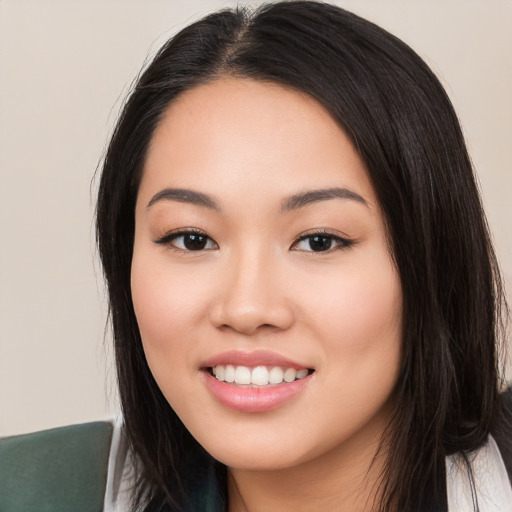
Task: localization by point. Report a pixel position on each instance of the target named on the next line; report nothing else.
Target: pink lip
(251, 359)
(246, 399)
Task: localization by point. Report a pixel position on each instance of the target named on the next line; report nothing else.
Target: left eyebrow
(314, 196)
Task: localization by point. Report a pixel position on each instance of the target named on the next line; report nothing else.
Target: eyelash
(168, 238)
(342, 242)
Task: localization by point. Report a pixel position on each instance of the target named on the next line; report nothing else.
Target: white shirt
(492, 486)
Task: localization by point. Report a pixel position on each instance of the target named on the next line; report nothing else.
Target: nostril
(250, 313)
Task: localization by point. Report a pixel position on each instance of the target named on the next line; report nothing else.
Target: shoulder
(502, 432)
(484, 474)
(57, 469)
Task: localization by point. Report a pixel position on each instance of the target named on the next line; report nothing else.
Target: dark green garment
(65, 470)
(58, 470)
(204, 494)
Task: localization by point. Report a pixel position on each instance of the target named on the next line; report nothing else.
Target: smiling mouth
(258, 376)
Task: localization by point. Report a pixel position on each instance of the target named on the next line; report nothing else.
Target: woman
(305, 300)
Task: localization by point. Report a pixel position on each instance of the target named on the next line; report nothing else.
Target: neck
(345, 478)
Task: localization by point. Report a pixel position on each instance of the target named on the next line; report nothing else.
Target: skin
(250, 145)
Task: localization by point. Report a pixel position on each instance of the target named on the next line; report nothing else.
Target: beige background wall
(64, 68)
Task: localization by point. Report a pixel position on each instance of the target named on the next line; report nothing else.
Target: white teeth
(258, 376)
(301, 373)
(242, 375)
(290, 374)
(275, 376)
(229, 376)
(219, 372)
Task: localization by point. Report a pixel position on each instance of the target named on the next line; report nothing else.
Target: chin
(265, 452)
(257, 460)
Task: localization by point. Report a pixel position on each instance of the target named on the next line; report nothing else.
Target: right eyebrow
(184, 195)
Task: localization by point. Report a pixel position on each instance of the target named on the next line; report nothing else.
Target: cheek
(359, 309)
(359, 322)
(166, 307)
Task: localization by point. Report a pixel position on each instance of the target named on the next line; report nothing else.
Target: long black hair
(404, 129)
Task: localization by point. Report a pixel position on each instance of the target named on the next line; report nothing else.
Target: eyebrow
(314, 196)
(183, 195)
(294, 202)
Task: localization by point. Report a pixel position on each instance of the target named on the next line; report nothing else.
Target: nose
(252, 296)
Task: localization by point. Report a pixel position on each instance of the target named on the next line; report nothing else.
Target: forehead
(244, 134)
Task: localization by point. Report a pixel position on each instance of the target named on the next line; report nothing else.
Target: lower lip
(246, 399)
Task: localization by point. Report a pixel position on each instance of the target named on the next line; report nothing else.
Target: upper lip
(252, 359)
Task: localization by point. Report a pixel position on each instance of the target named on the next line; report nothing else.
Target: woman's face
(261, 255)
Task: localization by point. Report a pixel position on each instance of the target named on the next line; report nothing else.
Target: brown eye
(187, 241)
(194, 242)
(321, 242)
